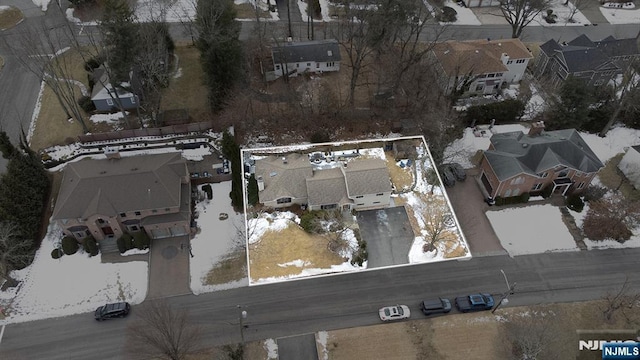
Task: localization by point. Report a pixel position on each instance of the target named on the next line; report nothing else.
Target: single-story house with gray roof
(351, 184)
(315, 56)
(630, 166)
(105, 98)
(109, 197)
(516, 163)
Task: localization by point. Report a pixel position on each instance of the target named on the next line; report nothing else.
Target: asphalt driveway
(469, 206)
(388, 235)
(301, 347)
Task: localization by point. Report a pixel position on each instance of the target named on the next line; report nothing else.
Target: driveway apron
(169, 267)
(301, 347)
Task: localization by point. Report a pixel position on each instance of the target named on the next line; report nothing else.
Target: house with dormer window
(302, 57)
(518, 163)
(479, 67)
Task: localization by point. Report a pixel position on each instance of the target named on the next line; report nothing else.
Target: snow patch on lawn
(42, 4)
(511, 225)
(72, 284)
(614, 143)
(621, 16)
(108, 118)
(464, 15)
(278, 221)
(272, 349)
(562, 12)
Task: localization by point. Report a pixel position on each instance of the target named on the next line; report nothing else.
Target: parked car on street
(474, 302)
(448, 178)
(435, 306)
(397, 312)
(457, 170)
(114, 310)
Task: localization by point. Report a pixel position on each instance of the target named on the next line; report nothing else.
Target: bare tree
(520, 13)
(436, 215)
(575, 6)
(623, 94)
(359, 42)
(531, 334)
(41, 52)
(163, 332)
(14, 252)
(611, 218)
(621, 302)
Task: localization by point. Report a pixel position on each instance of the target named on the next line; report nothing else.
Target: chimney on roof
(536, 128)
(260, 181)
(111, 152)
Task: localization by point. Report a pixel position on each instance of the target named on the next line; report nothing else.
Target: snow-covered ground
(42, 4)
(621, 16)
(324, 10)
(215, 239)
(563, 12)
(70, 285)
(520, 231)
(464, 15)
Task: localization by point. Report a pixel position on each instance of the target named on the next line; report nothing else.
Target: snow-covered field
(531, 230)
(563, 12)
(71, 285)
(464, 15)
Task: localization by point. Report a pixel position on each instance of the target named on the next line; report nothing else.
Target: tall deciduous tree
(520, 13)
(611, 218)
(220, 48)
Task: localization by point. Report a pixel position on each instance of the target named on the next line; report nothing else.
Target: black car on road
(114, 310)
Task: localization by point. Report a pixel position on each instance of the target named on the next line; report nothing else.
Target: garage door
(486, 183)
(178, 231)
(160, 233)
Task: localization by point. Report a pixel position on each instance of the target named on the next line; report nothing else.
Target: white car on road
(397, 312)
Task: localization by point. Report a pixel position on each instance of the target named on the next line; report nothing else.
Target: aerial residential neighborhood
(319, 179)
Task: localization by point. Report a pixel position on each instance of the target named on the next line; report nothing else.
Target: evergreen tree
(231, 151)
(120, 38)
(252, 190)
(6, 147)
(220, 48)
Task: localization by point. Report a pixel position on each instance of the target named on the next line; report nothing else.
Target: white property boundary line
(280, 150)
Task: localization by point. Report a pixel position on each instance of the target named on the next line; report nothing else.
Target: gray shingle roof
(327, 187)
(367, 176)
(111, 186)
(515, 153)
(618, 47)
(318, 50)
(284, 180)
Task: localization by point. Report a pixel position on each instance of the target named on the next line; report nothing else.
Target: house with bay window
(479, 67)
(518, 163)
(106, 198)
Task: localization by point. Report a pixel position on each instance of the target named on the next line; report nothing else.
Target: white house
(316, 56)
(630, 166)
(480, 66)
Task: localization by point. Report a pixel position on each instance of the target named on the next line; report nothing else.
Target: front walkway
(169, 267)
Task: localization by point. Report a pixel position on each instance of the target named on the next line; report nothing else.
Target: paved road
(340, 301)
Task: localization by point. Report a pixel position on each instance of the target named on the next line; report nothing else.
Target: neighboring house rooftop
(112, 186)
(478, 56)
(515, 153)
(317, 50)
(103, 88)
(583, 54)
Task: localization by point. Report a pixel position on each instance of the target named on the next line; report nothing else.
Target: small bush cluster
(86, 104)
(522, 198)
(550, 17)
(141, 240)
(594, 193)
(361, 254)
(252, 190)
(575, 203)
(90, 246)
(504, 112)
(448, 14)
(69, 245)
(57, 253)
(546, 192)
(207, 189)
(125, 243)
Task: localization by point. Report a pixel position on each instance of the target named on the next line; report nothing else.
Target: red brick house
(516, 163)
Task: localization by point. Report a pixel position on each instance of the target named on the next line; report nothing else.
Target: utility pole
(289, 19)
(242, 314)
(504, 298)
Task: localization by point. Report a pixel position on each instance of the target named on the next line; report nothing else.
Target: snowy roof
(515, 153)
(112, 186)
(103, 87)
(318, 50)
(478, 56)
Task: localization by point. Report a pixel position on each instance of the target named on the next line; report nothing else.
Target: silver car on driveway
(398, 312)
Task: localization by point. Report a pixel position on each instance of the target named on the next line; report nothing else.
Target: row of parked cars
(450, 173)
(468, 303)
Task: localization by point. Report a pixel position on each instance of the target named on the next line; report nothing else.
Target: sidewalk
(169, 267)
